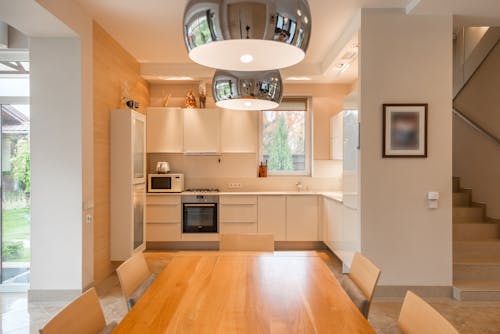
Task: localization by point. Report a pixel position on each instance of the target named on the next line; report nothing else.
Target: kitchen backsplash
(241, 168)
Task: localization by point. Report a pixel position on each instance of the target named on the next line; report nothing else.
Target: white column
(56, 164)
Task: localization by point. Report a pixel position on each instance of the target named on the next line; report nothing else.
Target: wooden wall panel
(112, 67)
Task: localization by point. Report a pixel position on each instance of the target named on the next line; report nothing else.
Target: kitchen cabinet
(239, 131)
(336, 137)
(238, 214)
(165, 130)
(127, 184)
(302, 218)
(333, 218)
(272, 216)
(163, 218)
(201, 129)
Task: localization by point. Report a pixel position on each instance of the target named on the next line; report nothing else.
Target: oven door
(199, 218)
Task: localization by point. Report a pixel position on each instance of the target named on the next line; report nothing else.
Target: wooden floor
(230, 292)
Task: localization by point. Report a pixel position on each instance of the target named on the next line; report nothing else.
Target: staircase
(476, 249)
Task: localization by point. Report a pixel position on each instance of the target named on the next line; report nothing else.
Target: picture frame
(404, 130)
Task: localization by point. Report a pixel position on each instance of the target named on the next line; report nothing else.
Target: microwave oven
(165, 183)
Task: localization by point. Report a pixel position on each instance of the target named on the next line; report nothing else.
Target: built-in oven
(200, 213)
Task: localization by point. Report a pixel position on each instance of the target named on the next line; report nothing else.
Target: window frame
(308, 140)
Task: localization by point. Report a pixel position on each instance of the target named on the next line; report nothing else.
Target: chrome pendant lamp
(247, 35)
(243, 90)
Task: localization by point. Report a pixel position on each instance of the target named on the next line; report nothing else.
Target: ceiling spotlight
(275, 33)
(244, 90)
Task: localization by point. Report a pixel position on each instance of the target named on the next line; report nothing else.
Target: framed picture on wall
(404, 131)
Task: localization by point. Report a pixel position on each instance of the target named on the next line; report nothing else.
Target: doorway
(15, 174)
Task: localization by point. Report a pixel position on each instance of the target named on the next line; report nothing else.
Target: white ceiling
(151, 30)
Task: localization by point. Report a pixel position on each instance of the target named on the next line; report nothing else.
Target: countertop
(334, 195)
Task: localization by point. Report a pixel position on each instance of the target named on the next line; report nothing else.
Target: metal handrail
(477, 127)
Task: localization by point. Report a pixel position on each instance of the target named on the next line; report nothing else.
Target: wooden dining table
(245, 292)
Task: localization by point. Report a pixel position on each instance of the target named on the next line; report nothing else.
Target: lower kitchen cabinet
(272, 216)
(163, 218)
(302, 218)
(163, 232)
(238, 214)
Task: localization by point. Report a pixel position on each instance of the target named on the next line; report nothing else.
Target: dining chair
(361, 281)
(417, 316)
(247, 242)
(135, 278)
(82, 316)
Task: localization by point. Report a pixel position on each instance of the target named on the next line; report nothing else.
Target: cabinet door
(158, 232)
(139, 215)
(201, 130)
(302, 218)
(138, 148)
(239, 131)
(165, 130)
(272, 216)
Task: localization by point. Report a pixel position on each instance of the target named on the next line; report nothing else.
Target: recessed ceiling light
(246, 58)
(243, 90)
(212, 41)
(176, 78)
(298, 78)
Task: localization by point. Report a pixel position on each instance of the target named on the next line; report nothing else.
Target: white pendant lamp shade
(247, 35)
(240, 90)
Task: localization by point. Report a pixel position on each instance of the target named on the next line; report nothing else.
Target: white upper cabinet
(165, 130)
(201, 131)
(239, 131)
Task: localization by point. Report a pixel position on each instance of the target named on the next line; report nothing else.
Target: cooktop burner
(203, 190)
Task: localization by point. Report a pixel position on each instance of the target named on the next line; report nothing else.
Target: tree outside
(283, 140)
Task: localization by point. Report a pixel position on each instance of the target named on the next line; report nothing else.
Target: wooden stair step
(476, 290)
(482, 250)
(467, 270)
(463, 214)
(475, 231)
(462, 198)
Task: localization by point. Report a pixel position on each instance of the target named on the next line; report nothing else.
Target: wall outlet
(234, 185)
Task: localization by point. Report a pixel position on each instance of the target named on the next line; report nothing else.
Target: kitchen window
(285, 138)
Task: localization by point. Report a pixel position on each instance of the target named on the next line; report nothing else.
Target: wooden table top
(245, 293)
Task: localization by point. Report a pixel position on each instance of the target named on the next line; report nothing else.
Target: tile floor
(17, 316)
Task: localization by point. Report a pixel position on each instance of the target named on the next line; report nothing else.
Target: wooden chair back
(365, 274)
(132, 273)
(82, 316)
(247, 242)
(417, 317)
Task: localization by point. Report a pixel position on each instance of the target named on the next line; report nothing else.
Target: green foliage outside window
(21, 164)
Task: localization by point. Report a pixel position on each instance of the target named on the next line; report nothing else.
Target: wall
(56, 165)
(112, 67)
(476, 160)
(327, 101)
(72, 15)
(479, 99)
(406, 59)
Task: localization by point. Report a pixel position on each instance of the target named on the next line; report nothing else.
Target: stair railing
(477, 127)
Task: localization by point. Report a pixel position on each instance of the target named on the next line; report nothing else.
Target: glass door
(15, 193)
(139, 147)
(139, 214)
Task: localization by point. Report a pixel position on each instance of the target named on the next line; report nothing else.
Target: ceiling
(151, 30)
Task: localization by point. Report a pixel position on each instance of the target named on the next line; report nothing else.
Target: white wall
(56, 164)
(73, 16)
(406, 59)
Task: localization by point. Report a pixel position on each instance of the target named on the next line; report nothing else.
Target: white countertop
(334, 195)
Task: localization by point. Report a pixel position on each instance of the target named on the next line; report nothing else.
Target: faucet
(299, 186)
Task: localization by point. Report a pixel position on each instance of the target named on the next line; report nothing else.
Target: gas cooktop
(202, 190)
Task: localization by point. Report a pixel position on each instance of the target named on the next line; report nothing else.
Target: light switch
(432, 199)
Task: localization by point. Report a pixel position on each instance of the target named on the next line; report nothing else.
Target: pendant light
(247, 35)
(243, 90)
